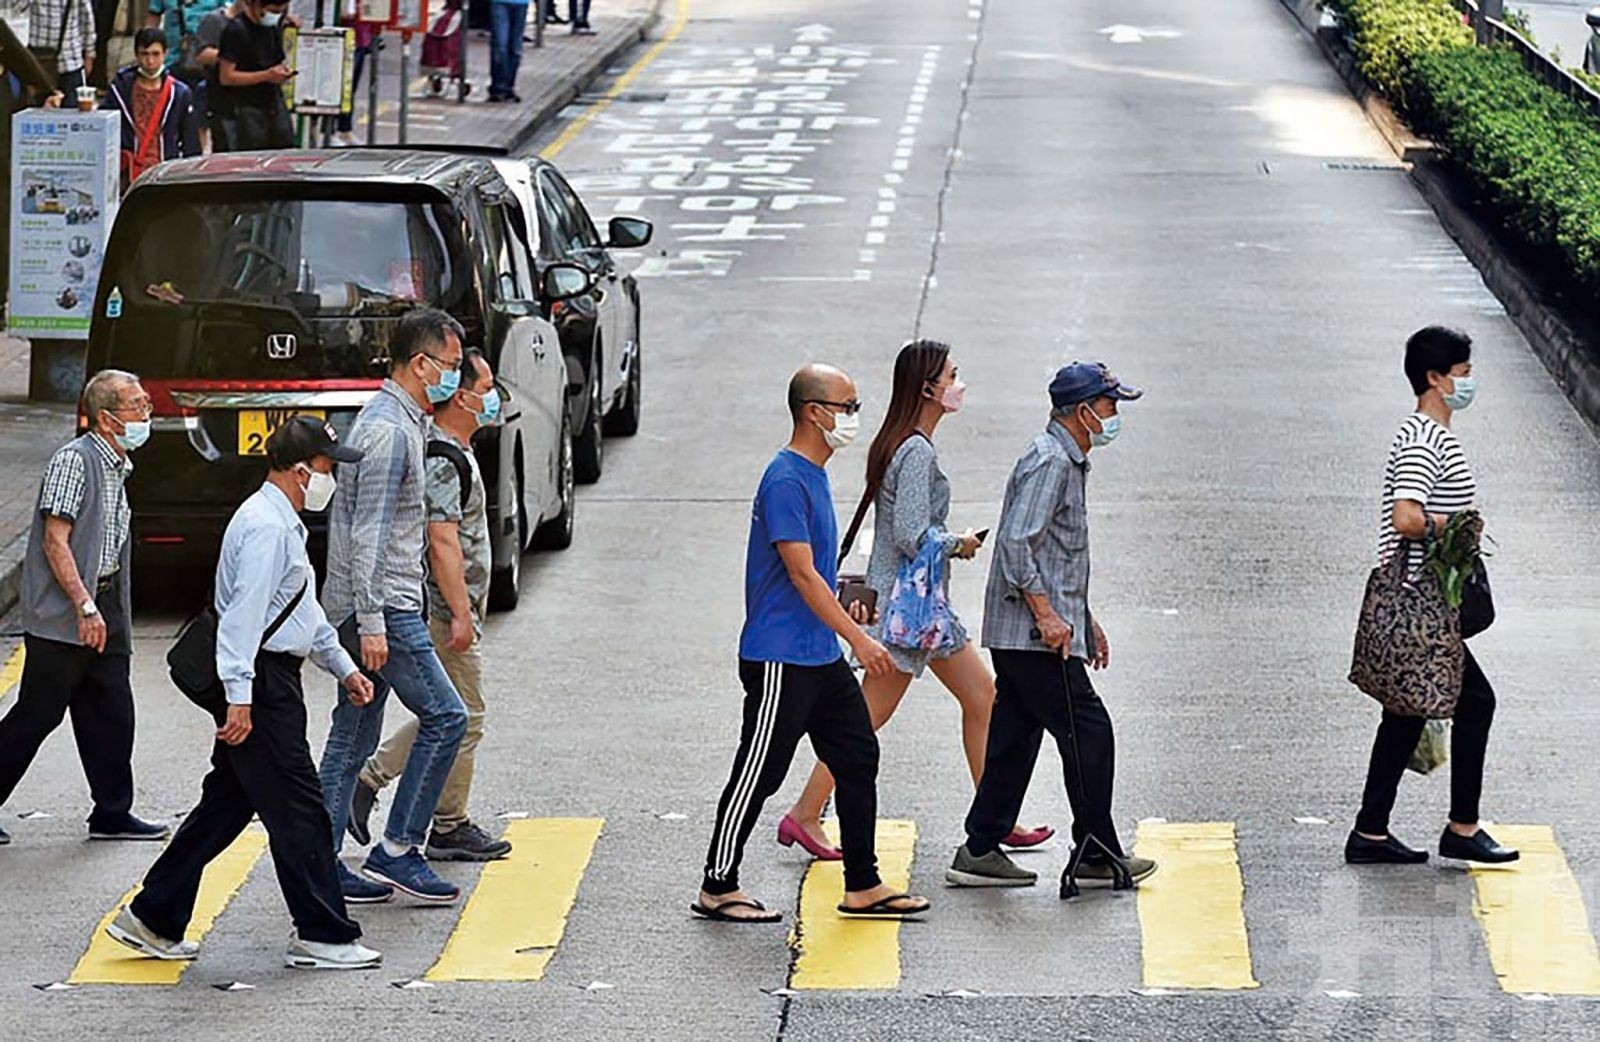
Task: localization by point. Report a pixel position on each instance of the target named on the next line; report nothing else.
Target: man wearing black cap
(1042, 637)
(269, 622)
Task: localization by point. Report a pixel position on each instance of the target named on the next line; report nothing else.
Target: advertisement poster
(64, 191)
(324, 60)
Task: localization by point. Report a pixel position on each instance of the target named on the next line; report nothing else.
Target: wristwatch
(88, 609)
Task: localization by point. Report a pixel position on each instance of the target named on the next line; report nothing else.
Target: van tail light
(162, 540)
(161, 401)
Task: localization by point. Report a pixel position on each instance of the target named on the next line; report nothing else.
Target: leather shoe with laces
(1479, 847)
(1359, 850)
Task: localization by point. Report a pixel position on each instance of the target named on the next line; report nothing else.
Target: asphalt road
(1194, 200)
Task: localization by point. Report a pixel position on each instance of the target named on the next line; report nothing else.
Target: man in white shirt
(268, 623)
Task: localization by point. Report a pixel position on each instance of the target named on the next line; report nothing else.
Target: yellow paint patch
(839, 953)
(1534, 920)
(107, 962)
(1191, 911)
(514, 920)
(566, 137)
(11, 672)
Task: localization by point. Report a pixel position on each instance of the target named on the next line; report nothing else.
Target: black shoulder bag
(192, 660)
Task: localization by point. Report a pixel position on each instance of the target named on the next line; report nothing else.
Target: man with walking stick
(1043, 638)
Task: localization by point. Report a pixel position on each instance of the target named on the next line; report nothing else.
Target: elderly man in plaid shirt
(1042, 636)
(68, 27)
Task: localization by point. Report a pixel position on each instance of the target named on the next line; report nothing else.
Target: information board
(64, 192)
(324, 60)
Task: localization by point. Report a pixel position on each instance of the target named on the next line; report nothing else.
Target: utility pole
(1489, 10)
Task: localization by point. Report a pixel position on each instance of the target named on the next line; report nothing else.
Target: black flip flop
(720, 915)
(884, 908)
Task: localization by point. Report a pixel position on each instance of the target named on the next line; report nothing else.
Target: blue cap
(1081, 381)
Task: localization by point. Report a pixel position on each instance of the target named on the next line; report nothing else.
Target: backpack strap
(438, 449)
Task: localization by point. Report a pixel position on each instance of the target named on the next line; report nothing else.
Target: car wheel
(556, 533)
(590, 450)
(625, 421)
(505, 582)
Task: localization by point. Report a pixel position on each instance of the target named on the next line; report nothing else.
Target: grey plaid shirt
(377, 526)
(61, 495)
(45, 25)
(1042, 546)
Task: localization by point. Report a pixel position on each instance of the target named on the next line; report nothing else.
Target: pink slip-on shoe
(790, 833)
(1030, 838)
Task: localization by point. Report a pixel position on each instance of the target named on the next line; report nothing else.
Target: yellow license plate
(257, 425)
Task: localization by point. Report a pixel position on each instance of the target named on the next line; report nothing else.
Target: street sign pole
(372, 91)
(405, 80)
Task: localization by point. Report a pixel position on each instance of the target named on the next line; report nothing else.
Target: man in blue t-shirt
(795, 678)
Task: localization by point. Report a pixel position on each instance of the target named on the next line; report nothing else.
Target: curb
(569, 94)
(1566, 355)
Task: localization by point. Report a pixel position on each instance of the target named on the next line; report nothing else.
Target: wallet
(854, 588)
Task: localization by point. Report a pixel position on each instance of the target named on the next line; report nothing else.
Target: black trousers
(1397, 737)
(271, 774)
(1031, 697)
(783, 702)
(58, 679)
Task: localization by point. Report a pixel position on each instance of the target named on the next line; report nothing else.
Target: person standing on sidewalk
(578, 12)
(1042, 637)
(209, 104)
(377, 535)
(66, 27)
(261, 763)
(251, 72)
(77, 611)
(458, 598)
(507, 18)
(796, 681)
(158, 117)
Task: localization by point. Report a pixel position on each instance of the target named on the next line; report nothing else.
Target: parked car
(599, 329)
(254, 287)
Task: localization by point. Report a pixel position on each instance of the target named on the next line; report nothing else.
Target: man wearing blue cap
(1042, 637)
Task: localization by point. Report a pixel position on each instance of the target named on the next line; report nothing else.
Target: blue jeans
(416, 677)
(506, 22)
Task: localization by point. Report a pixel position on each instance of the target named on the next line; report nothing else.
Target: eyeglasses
(849, 408)
(142, 408)
(439, 363)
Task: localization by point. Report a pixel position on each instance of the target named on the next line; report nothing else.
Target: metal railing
(1493, 32)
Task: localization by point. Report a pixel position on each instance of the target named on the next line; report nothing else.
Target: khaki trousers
(465, 669)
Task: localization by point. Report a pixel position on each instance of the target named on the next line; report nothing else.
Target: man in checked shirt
(1038, 628)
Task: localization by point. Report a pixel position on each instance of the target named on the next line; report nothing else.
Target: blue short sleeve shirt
(794, 504)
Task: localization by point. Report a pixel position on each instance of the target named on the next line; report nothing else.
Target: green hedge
(1387, 35)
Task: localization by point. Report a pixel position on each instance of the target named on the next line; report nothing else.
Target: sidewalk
(549, 79)
(30, 432)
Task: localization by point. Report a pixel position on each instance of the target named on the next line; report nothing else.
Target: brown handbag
(1408, 649)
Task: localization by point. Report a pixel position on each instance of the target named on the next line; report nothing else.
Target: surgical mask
(953, 396)
(845, 429)
(134, 434)
(147, 74)
(1110, 427)
(449, 383)
(271, 18)
(1466, 389)
(491, 407)
(319, 490)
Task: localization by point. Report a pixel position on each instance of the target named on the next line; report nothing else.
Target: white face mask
(845, 430)
(319, 491)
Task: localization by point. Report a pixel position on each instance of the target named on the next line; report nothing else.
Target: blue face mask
(1466, 389)
(1110, 427)
(449, 383)
(491, 407)
(134, 434)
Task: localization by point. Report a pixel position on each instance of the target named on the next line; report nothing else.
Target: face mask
(491, 407)
(133, 434)
(271, 18)
(449, 383)
(319, 490)
(845, 430)
(1466, 389)
(147, 74)
(1110, 427)
(953, 396)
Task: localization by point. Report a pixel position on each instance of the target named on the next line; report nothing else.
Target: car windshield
(320, 257)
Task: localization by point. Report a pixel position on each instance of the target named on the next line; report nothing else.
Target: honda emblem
(281, 345)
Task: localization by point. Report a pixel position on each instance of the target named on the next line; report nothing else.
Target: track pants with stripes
(783, 702)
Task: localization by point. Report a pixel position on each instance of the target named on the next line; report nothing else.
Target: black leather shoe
(130, 828)
(1480, 847)
(1359, 850)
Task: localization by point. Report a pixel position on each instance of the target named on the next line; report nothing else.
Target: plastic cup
(86, 99)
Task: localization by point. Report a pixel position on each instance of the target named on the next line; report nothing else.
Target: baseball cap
(305, 437)
(1082, 381)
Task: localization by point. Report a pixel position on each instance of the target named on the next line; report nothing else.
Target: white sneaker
(315, 955)
(343, 141)
(127, 929)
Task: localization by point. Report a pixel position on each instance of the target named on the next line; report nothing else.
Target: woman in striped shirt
(1427, 480)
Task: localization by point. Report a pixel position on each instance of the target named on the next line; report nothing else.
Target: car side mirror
(563, 281)
(628, 233)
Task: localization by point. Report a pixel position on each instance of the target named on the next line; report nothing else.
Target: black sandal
(719, 914)
(884, 908)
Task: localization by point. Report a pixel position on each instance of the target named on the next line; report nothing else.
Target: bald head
(818, 382)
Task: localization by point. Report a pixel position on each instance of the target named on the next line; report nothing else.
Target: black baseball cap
(303, 438)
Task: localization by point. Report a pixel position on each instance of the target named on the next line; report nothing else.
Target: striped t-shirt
(1426, 465)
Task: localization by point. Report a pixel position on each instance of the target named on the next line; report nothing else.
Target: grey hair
(103, 392)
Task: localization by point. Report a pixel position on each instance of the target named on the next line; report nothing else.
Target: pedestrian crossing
(1192, 922)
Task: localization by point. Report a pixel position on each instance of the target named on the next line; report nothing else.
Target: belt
(107, 583)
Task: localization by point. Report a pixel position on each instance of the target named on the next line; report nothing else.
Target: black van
(247, 288)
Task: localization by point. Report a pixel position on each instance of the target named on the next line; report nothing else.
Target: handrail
(1537, 63)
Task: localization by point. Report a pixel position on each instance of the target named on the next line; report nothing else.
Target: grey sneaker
(315, 955)
(126, 929)
(1100, 876)
(993, 869)
(466, 842)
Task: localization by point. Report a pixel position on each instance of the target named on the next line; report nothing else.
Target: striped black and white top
(1427, 466)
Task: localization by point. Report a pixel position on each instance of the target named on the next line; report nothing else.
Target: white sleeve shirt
(263, 565)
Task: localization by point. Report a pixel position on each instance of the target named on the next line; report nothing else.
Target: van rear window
(321, 257)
